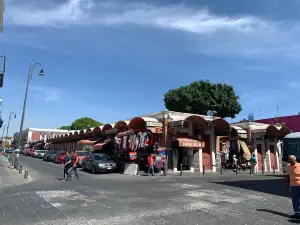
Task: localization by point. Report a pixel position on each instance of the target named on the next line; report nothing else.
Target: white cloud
(210, 33)
(46, 93)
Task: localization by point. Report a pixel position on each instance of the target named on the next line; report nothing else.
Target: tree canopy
(84, 123)
(65, 128)
(201, 96)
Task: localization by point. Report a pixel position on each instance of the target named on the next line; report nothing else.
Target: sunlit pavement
(120, 199)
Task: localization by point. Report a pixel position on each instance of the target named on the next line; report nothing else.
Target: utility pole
(278, 113)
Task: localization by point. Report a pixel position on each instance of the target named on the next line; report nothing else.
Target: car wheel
(93, 170)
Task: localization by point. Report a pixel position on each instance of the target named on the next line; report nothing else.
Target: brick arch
(97, 132)
(137, 123)
(272, 131)
(81, 132)
(221, 126)
(121, 126)
(106, 127)
(197, 122)
(284, 131)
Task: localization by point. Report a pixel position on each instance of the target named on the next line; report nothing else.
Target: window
(82, 153)
(101, 157)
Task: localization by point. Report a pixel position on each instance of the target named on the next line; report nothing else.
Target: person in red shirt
(74, 163)
(151, 164)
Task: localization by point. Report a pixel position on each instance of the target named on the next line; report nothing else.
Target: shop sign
(153, 124)
(132, 156)
(191, 144)
(176, 123)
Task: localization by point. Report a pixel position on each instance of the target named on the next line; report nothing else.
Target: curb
(15, 170)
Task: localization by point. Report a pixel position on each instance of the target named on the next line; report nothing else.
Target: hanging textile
(225, 146)
(125, 142)
(132, 142)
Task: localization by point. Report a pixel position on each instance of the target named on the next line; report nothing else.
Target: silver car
(41, 154)
(98, 162)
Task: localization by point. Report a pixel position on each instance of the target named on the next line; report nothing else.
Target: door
(206, 158)
(273, 157)
(259, 157)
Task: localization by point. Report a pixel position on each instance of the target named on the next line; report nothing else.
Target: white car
(41, 154)
(35, 154)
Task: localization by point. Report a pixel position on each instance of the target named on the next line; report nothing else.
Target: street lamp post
(32, 66)
(10, 115)
(3, 135)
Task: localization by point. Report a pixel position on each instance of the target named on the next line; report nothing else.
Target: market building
(193, 142)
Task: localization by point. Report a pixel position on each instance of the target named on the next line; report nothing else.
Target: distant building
(292, 122)
(35, 134)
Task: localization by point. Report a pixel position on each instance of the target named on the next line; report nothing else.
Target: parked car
(31, 152)
(60, 157)
(97, 162)
(8, 150)
(50, 155)
(22, 151)
(81, 155)
(41, 154)
(35, 153)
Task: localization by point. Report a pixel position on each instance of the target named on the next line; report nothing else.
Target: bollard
(20, 168)
(263, 169)
(274, 170)
(236, 170)
(221, 170)
(12, 162)
(165, 169)
(251, 172)
(180, 169)
(203, 170)
(26, 175)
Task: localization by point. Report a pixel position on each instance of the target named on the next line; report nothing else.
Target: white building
(35, 134)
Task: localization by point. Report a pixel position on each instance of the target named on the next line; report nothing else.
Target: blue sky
(112, 60)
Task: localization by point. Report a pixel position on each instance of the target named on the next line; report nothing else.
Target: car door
(89, 162)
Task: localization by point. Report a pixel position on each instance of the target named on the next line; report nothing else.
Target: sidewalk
(9, 175)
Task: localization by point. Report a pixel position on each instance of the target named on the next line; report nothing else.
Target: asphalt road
(120, 199)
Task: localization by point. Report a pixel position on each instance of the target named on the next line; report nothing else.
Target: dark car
(8, 150)
(97, 162)
(50, 155)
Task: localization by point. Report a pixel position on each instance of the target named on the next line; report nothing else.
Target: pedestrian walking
(74, 163)
(253, 162)
(67, 165)
(293, 184)
(151, 164)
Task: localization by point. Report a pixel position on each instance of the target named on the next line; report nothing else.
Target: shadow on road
(269, 186)
(275, 212)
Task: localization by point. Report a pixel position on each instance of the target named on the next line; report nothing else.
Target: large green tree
(84, 123)
(201, 96)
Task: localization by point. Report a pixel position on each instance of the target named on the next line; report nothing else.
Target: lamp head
(1, 122)
(42, 73)
(15, 116)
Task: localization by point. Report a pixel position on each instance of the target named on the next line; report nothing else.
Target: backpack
(253, 160)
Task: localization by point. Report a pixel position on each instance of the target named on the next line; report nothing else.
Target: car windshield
(101, 157)
(82, 153)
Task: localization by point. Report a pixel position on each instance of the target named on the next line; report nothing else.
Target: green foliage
(87, 148)
(84, 123)
(202, 96)
(65, 128)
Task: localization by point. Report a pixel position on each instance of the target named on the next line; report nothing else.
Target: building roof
(292, 122)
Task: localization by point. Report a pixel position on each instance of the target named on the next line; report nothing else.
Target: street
(120, 199)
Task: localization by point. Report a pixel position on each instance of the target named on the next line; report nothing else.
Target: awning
(247, 154)
(126, 133)
(98, 146)
(190, 143)
(111, 131)
(86, 142)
